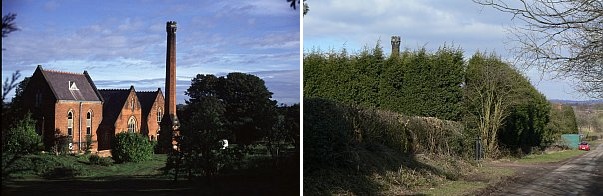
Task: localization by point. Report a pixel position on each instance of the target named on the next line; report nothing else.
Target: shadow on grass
(73, 180)
(249, 184)
(336, 163)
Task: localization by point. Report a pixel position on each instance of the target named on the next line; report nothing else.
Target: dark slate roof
(114, 102)
(59, 84)
(147, 99)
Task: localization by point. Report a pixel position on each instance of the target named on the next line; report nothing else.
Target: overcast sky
(353, 24)
(123, 43)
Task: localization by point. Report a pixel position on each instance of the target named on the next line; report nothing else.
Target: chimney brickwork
(395, 45)
(170, 82)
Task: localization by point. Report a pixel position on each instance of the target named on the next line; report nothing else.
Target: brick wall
(152, 123)
(79, 111)
(127, 111)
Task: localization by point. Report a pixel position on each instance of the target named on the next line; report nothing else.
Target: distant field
(590, 119)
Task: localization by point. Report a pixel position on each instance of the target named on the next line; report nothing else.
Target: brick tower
(170, 119)
(395, 45)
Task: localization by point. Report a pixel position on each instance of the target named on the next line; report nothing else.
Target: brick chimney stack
(395, 45)
(170, 81)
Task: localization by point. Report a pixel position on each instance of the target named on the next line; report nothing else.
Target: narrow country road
(581, 176)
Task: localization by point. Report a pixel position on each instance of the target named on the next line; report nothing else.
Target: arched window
(89, 123)
(159, 115)
(132, 125)
(69, 123)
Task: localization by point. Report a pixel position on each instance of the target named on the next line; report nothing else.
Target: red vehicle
(584, 146)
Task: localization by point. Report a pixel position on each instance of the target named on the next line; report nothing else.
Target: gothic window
(89, 123)
(159, 115)
(69, 123)
(132, 125)
(38, 98)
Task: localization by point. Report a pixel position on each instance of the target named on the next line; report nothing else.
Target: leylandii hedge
(131, 147)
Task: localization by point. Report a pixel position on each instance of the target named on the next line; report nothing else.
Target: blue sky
(354, 24)
(123, 43)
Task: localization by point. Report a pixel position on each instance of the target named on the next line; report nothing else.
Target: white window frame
(89, 122)
(70, 123)
(132, 124)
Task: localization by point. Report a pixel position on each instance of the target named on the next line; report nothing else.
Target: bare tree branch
(564, 37)
(8, 24)
(11, 84)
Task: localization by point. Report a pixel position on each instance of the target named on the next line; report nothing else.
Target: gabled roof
(147, 99)
(115, 99)
(70, 86)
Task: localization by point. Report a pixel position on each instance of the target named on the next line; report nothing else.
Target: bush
(43, 165)
(131, 147)
(96, 160)
(22, 137)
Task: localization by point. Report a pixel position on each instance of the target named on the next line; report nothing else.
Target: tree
(525, 128)
(22, 137)
(13, 111)
(488, 97)
(8, 24)
(202, 130)
(565, 37)
(292, 121)
(562, 120)
(249, 110)
(294, 3)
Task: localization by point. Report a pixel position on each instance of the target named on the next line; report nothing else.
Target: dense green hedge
(440, 85)
(416, 83)
(334, 132)
(131, 147)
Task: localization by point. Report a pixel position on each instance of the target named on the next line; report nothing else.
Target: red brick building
(69, 104)
(66, 104)
(152, 103)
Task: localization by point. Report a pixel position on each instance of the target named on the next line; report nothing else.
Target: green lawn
(57, 175)
(550, 157)
(72, 166)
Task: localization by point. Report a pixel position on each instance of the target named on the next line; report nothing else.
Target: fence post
(478, 149)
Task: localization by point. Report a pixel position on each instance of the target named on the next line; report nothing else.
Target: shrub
(97, 160)
(131, 147)
(89, 143)
(22, 137)
(43, 165)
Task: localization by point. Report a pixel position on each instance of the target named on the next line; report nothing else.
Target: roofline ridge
(63, 72)
(146, 91)
(113, 89)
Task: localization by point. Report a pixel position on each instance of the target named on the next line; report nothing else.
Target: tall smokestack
(170, 81)
(395, 45)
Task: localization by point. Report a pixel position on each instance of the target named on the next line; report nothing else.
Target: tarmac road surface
(581, 176)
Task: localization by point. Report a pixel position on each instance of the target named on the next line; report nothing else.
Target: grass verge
(551, 157)
(470, 182)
